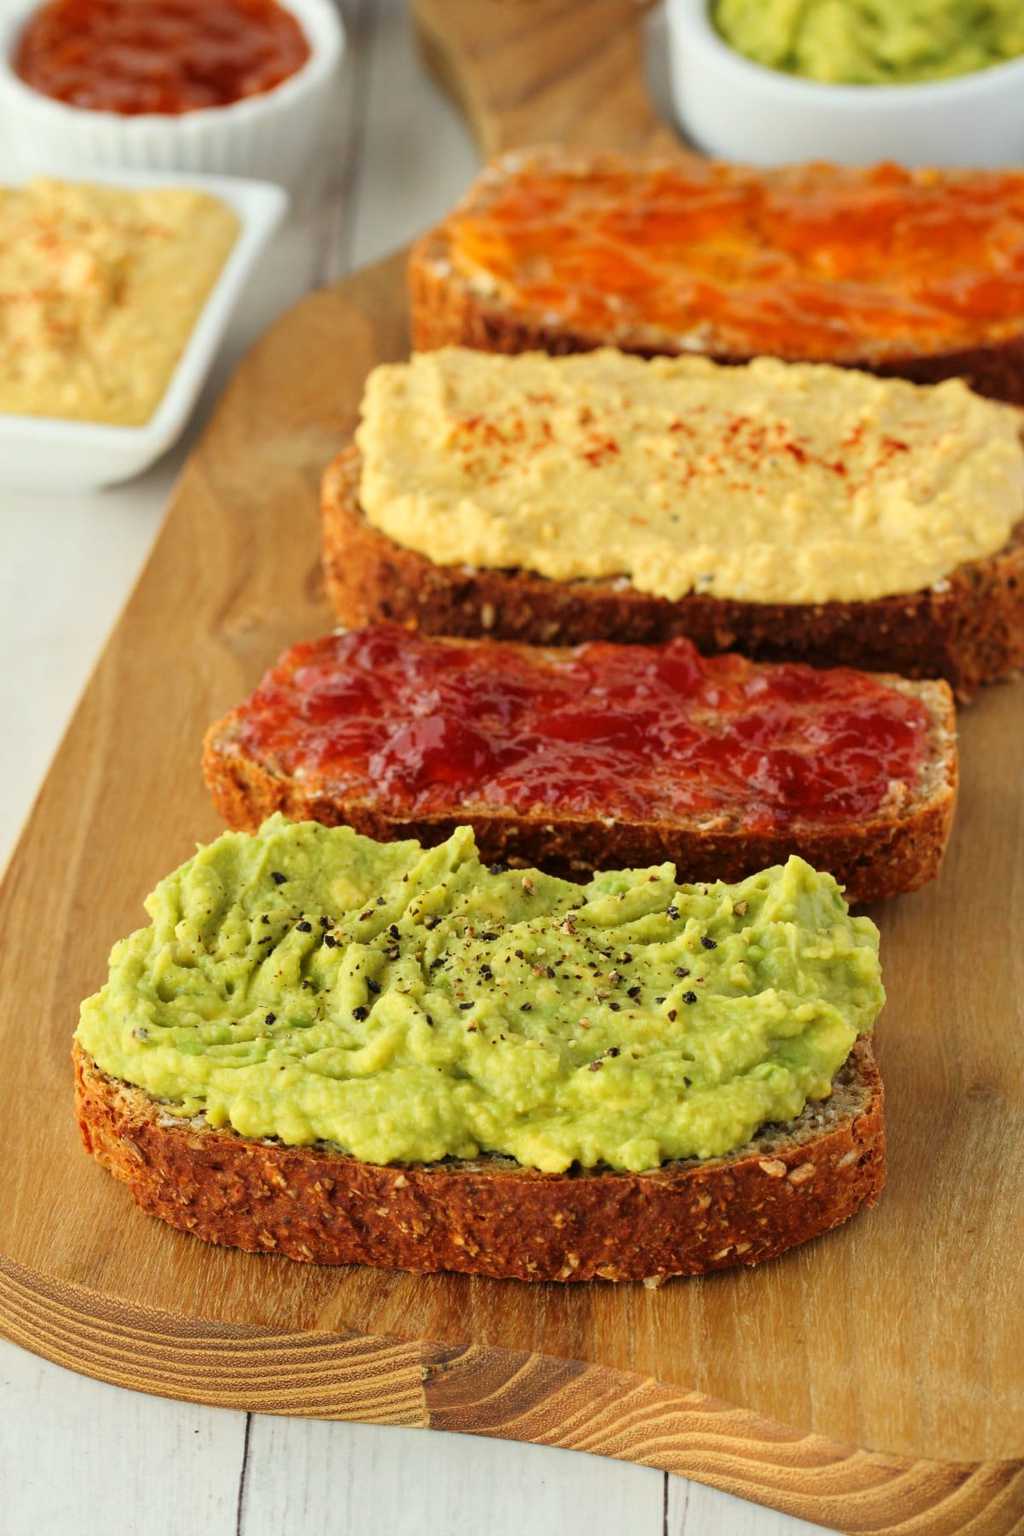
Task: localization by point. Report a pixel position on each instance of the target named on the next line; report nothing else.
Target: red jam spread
(811, 262)
(167, 56)
(636, 732)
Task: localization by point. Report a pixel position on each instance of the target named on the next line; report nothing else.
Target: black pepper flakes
(615, 1007)
(486, 973)
(325, 922)
(465, 1006)
(672, 911)
(304, 927)
(360, 1012)
(632, 991)
(682, 970)
(380, 901)
(372, 986)
(393, 931)
(330, 940)
(431, 922)
(270, 1018)
(526, 1008)
(277, 877)
(708, 943)
(672, 1015)
(689, 997)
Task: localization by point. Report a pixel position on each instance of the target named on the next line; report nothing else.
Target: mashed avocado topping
(873, 42)
(771, 482)
(407, 1004)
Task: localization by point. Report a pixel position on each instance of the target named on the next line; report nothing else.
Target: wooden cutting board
(873, 1380)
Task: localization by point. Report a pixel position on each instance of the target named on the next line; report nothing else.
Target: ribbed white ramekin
(270, 136)
(738, 110)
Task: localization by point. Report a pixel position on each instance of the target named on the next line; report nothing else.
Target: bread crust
(968, 629)
(883, 856)
(491, 1216)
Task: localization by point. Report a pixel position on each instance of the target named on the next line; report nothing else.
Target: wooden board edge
(505, 1395)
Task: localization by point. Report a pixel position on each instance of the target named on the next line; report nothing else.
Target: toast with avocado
(792, 513)
(597, 756)
(350, 1052)
(914, 273)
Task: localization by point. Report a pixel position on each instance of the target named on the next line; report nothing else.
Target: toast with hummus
(791, 512)
(350, 1052)
(599, 756)
(917, 273)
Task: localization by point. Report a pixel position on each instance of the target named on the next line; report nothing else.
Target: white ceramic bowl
(270, 136)
(738, 110)
(45, 453)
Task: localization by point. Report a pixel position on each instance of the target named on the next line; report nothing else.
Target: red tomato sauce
(163, 56)
(415, 724)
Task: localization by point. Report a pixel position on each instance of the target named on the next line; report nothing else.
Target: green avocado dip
(408, 1004)
(873, 42)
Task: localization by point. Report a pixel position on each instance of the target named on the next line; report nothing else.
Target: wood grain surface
(892, 1350)
(534, 71)
(873, 1380)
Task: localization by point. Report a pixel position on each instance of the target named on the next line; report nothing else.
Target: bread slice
(491, 1216)
(896, 850)
(968, 629)
(449, 310)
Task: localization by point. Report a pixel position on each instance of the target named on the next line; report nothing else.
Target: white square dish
(46, 453)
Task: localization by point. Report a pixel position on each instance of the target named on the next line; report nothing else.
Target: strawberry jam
(416, 725)
(811, 262)
(164, 56)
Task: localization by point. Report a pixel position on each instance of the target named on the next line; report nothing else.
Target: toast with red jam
(599, 755)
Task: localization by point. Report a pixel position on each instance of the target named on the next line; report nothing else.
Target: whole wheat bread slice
(968, 629)
(894, 851)
(491, 1216)
(448, 310)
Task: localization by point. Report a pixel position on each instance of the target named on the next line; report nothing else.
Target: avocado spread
(408, 1004)
(873, 42)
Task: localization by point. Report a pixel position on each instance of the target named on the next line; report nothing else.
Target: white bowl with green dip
(924, 82)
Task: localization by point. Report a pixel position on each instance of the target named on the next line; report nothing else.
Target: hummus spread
(772, 482)
(99, 290)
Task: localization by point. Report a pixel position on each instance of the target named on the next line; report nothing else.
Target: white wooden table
(79, 1456)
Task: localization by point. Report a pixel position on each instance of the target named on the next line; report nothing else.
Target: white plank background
(79, 1456)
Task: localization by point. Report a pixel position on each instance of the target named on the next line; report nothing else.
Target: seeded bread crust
(446, 310)
(893, 852)
(491, 1216)
(968, 629)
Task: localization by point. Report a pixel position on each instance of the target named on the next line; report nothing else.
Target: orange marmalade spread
(418, 725)
(811, 262)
